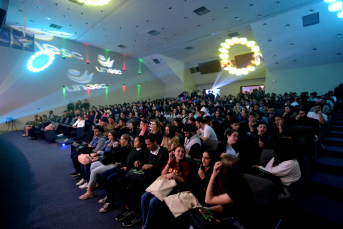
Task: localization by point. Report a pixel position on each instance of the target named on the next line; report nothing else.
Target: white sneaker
(60, 135)
(84, 186)
(82, 181)
(66, 140)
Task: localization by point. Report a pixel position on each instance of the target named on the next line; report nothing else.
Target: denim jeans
(150, 210)
(76, 163)
(85, 169)
(111, 185)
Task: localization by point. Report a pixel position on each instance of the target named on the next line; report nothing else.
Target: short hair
(192, 119)
(199, 120)
(262, 123)
(318, 104)
(44, 116)
(151, 137)
(252, 114)
(112, 117)
(123, 120)
(104, 119)
(162, 119)
(302, 109)
(133, 113)
(188, 128)
(278, 115)
(207, 119)
(234, 120)
(99, 128)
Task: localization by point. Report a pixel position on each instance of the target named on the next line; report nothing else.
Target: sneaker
(60, 135)
(124, 213)
(75, 174)
(66, 140)
(82, 181)
(132, 220)
(105, 208)
(103, 200)
(84, 186)
(79, 178)
(87, 195)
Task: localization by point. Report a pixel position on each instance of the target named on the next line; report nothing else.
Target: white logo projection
(75, 76)
(107, 63)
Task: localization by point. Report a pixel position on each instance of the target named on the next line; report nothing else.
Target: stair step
(335, 141)
(330, 165)
(338, 123)
(333, 151)
(324, 207)
(336, 127)
(327, 184)
(336, 133)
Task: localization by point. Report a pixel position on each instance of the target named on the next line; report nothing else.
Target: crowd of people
(133, 144)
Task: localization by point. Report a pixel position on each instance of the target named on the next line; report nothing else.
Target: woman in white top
(80, 123)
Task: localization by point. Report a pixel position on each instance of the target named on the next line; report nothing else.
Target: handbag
(181, 202)
(84, 159)
(135, 174)
(161, 187)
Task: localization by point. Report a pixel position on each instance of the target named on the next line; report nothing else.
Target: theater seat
(211, 144)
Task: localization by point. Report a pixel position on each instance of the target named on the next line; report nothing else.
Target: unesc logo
(75, 76)
(107, 65)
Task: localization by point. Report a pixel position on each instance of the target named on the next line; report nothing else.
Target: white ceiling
(126, 22)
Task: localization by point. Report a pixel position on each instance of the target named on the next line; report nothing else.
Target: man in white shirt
(318, 114)
(204, 130)
(80, 123)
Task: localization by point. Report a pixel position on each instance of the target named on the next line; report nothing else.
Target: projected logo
(107, 65)
(76, 76)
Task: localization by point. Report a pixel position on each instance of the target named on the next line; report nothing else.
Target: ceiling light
(20, 10)
(287, 26)
(237, 18)
(264, 24)
(56, 4)
(235, 40)
(185, 17)
(75, 32)
(47, 18)
(277, 63)
(251, 68)
(198, 25)
(224, 56)
(277, 2)
(38, 7)
(121, 28)
(83, 13)
(225, 8)
(222, 50)
(225, 45)
(329, 0)
(245, 71)
(251, 43)
(260, 15)
(238, 72)
(170, 8)
(32, 21)
(310, 11)
(295, 60)
(314, 49)
(213, 19)
(243, 40)
(148, 21)
(338, 54)
(251, 5)
(255, 49)
(274, 56)
(229, 41)
(70, 25)
(65, 16)
(339, 35)
(95, 2)
(340, 14)
(335, 6)
(270, 40)
(291, 45)
(162, 28)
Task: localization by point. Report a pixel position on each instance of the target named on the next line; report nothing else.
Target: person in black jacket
(121, 127)
(131, 190)
(111, 177)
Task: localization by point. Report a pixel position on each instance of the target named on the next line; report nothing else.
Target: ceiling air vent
(153, 32)
(189, 48)
(235, 34)
(77, 2)
(311, 19)
(201, 11)
(156, 61)
(55, 26)
(121, 46)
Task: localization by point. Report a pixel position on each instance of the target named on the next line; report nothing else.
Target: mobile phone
(205, 210)
(202, 168)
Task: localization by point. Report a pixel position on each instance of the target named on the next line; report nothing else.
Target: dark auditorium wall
(24, 93)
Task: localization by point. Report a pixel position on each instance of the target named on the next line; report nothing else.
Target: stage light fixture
(48, 53)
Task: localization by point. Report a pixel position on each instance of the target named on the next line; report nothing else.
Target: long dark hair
(171, 131)
(180, 163)
(284, 151)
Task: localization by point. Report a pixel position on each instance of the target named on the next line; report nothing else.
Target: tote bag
(161, 187)
(181, 202)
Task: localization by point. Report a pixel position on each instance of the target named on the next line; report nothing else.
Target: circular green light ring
(51, 56)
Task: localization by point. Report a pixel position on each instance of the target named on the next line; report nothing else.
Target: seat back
(80, 131)
(116, 117)
(211, 144)
(66, 121)
(266, 156)
(170, 120)
(72, 121)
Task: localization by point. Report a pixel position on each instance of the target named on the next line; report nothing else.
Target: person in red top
(177, 168)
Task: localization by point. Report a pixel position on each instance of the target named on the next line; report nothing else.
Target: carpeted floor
(37, 191)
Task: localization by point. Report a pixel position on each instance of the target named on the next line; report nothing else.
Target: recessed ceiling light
(20, 10)
(87, 23)
(162, 28)
(148, 45)
(225, 8)
(83, 13)
(17, 23)
(104, 29)
(287, 26)
(121, 28)
(65, 16)
(310, 11)
(68, 8)
(75, 32)
(260, 15)
(137, 26)
(175, 34)
(106, 36)
(264, 24)
(165, 38)
(270, 40)
(56, 4)
(170, 8)
(150, 39)
(213, 19)
(295, 60)
(185, 17)
(274, 56)
(47, 18)
(277, 2)
(135, 40)
(198, 25)
(101, 11)
(338, 54)
(251, 5)
(291, 45)
(32, 21)
(237, 18)
(38, 7)
(339, 35)
(314, 49)
(136, 34)
(277, 63)
(148, 21)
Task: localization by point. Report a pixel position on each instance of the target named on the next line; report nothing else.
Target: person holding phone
(234, 203)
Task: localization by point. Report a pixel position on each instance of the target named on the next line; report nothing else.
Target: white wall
(24, 93)
(322, 78)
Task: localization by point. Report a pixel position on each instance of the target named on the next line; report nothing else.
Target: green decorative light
(95, 2)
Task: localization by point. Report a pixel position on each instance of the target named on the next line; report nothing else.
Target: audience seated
(205, 131)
